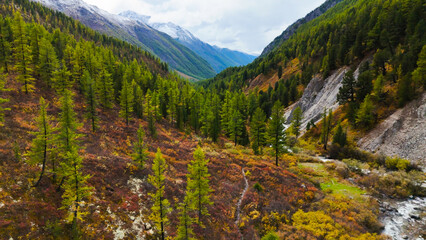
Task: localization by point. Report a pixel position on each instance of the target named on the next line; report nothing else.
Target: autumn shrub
(396, 163)
(396, 184)
(271, 236)
(355, 165)
(258, 187)
(272, 222)
(353, 215)
(342, 169)
(318, 223)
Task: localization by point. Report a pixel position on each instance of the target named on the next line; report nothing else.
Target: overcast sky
(244, 25)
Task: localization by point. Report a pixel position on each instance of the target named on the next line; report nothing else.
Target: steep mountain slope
(402, 134)
(218, 58)
(166, 48)
(293, 27)
(331, 44)
(320, 94)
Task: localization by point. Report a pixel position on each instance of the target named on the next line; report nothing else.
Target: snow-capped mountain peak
(171, 29)
(135, 16)
(175, 31)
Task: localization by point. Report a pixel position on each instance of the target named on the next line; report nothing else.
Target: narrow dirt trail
(238, 210)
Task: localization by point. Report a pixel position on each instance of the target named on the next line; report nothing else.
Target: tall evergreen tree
(48, 61)
(161, 206)
(225, 113)
(326, 127)
(198, 188)
(365, 115)
(276, 131)
(22, 53)
(184, 231)
(296, 121)
(140, 154)
(5, 44)
(91, 100)
(35, 36)
(2, 100)
(74, 181)
(138, 101)
(126, 101)
(149, 112)
(105, 88)
(419, 75)
(215, 118)
(347, 90)
(340, 136)
(62, 78)
(235, 125)
(257, 130)
(41, 145)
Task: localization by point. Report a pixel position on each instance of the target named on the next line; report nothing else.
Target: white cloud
(245, 25)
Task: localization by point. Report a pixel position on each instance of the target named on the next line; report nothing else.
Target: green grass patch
(336, 187)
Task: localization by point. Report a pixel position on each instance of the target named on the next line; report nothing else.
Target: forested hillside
(389, 33)
(99, 141)
(179, 57)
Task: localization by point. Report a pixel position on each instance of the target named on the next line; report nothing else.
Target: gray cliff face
(318, 95)
(402, 134)
(293, 28)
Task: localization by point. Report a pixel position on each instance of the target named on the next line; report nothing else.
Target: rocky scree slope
(318, 95)
(402, 134)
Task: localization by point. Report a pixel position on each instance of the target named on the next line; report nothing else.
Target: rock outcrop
(320, 94)
(402, 134)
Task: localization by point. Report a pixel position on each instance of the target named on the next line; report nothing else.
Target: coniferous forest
(101, 140)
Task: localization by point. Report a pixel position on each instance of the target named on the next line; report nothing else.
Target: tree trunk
(44, 158)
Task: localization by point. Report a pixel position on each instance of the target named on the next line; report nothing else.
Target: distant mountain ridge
(136, 32)
(218, 58)
(292, 28)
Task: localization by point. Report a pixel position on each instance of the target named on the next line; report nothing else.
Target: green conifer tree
(48, 62)
(4, 44)
(161, 206)
(340, 136)
(235, 126)
(62, 78)
(22, 54)
(35, 36)
(365, 115)
(184, 231)
(126, 101)
(91, 100)
(276, 131)
(139, 101)
(41, 145)
(347, 90)
(198, 188)
(215, 118)
(257, 130)
(74, 181)
(296, 122)
(326, 127)
(105, 88)
(149, 112)
(3, 77)
(140, 154)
